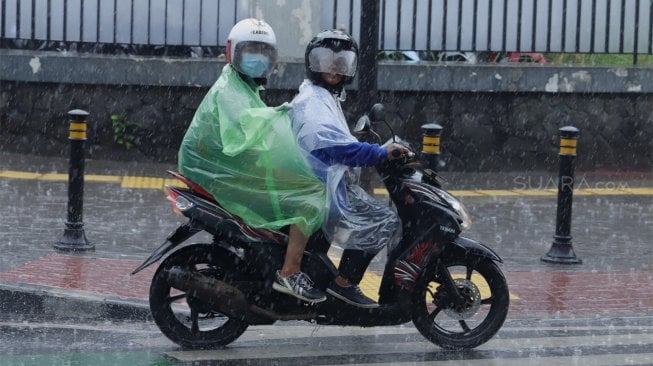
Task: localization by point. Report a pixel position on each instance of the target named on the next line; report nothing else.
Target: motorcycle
(451, 287)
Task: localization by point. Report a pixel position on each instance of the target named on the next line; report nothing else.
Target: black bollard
(430, 156)
(74, 238)
(562, 251)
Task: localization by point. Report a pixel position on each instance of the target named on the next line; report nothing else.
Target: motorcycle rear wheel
(186, 320)
(484, 286)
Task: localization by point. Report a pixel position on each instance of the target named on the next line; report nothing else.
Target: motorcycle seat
(194, 187)
(279, 236)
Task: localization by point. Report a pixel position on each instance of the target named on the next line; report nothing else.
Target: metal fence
(571, 26)
(140, 22)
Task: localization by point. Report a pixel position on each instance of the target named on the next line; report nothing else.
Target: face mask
(254, 65)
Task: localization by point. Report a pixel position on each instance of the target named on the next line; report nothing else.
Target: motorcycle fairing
(408, 268)
(218, 222)
(427, 195)
(471, 249)
(177, 237)
(206, 214)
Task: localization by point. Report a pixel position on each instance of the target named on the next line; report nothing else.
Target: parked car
(407, 56)
(457, 57)
(505, 57)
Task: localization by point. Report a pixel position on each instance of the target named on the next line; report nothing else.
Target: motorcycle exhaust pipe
(219, 295)
(223, 297)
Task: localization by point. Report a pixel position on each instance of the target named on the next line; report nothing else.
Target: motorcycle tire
(181, 322)
(484, 286)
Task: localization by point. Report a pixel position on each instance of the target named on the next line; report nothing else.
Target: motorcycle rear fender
(180, 235)
(466, 248)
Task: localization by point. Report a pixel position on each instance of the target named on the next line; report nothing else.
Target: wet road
(563, 315)
(609, 232)
(609, 341)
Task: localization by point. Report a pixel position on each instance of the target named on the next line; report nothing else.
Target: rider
(244, 154)
(364, 224)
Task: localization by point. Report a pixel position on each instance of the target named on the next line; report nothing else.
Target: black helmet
(331, 51)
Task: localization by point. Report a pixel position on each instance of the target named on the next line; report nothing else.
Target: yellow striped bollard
(430, 155)
(562, 251)
(74, 238)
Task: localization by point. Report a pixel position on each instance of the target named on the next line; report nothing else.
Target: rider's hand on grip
(396, 151)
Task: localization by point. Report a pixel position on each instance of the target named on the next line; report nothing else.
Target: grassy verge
(625, 60)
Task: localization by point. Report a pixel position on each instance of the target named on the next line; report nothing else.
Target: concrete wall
(494, 117)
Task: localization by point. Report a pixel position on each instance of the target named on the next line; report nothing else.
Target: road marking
(140, 182)
(102, 178)
(124, 181)
(19, 175)
(642, 191)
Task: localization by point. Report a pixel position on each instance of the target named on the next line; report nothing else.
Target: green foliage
(124, 131)
(599, 59)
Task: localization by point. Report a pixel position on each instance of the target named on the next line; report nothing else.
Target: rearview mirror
(377, 113)
(362, 125)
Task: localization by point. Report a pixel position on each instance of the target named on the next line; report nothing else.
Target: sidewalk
(612, 231)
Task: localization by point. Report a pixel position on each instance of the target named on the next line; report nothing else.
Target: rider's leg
(352, 267)
(294, 252)
(290, 279)
(351, 270)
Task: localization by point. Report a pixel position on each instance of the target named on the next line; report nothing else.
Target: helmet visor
(255, 59)
(322, 59)
(256, 47)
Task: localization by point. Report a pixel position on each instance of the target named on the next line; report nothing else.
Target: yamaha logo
(447, 229)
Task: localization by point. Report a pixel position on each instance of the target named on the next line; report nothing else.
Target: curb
(54, 303)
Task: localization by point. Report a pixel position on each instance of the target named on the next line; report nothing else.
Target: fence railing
(145, 22)
(567, 26)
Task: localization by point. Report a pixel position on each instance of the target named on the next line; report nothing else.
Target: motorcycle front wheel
(184, 319)
(467, 325)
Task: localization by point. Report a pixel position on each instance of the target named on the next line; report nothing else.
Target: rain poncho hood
(355, 219)
(244, 154)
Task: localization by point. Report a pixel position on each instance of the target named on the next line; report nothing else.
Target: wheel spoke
(468, 275)
(464, 325)
(435, 313)
(194, 327)
(170, 299)
(487, 301)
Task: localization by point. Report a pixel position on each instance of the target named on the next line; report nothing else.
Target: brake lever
(409, 159)
(412, 161)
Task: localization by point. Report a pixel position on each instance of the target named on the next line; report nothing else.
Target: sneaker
(351, 295)
(298, 285)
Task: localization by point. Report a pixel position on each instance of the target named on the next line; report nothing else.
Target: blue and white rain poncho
(355, 219)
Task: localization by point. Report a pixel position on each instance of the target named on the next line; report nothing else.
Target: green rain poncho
(244, 153)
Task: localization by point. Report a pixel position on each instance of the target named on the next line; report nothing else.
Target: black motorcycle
(449, 286)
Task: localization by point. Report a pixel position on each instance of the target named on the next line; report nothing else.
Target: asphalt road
(598, 341)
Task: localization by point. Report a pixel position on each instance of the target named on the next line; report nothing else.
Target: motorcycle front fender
(180, 235)
(462, 247)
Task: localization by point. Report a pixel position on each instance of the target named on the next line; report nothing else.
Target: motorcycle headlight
(461, 210)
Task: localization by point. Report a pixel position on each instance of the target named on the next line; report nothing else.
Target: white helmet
(252, 48)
